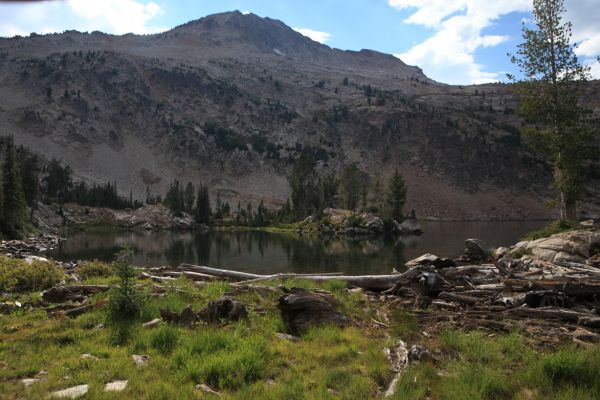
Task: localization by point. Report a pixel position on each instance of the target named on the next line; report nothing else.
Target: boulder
(116, 386)
(373, 223)
(301, 309)
(71, 393)
(476, 250)
(430, 259)
(410, 226)
(140, 360)
(337, 216)
(571, 246)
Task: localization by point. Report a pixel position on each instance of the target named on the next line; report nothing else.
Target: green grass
(245, 360)
(554, 227)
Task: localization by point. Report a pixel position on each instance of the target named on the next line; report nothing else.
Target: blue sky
(454, 41)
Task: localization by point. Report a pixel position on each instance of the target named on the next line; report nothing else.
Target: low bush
(552, 228)
(21, 276)
(92, 269)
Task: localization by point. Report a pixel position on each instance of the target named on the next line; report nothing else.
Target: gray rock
(72, 392)
(418, 353)
(287, 336)
(476, 250)
(88, 357)
(29, 381)
(409, 226)
(116, 386)
(430, 259)
(140, 360)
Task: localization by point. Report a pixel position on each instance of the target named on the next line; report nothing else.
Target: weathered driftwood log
(545, 313)
(460, 298)
(570, 288)
(301, 309)
(589, 321)
(368, 282)
(59, 294)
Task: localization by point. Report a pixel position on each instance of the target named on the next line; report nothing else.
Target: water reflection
(264, 252)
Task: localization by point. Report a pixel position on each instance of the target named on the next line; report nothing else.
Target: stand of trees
(352, 190)
(59, 187)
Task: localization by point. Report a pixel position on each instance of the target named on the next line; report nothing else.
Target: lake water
(264, 252)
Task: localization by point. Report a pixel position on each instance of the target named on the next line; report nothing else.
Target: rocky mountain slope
(232, 100)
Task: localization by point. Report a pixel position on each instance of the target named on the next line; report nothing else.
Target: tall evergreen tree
(14, 207)
(189, 198)
(350, 187)
(202, 212)
(396, 197)
(304, 184)
(174, 199)
(550, 93)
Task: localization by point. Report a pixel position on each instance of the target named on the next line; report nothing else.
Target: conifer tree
(560, 129)
(14, 208)
(189, 198)
(202, 211)
(396, 196)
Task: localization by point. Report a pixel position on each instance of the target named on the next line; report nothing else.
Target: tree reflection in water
(264, 252)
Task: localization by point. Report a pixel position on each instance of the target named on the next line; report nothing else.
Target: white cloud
(111, 16)
(584, 16)
(448, 55)
(317, 36)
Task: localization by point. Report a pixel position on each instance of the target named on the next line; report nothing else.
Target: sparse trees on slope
(559, 128)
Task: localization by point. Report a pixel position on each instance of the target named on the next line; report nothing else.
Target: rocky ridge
(233, 99)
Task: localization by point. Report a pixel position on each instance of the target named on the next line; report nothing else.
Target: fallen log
(413, 276)
(59, 294)
(460, 298)
(590, 322)
(545, 313)
(570, 288)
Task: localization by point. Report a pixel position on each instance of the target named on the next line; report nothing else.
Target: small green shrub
(92, 269)
(125, 301)
(552, 228)
(20, 276)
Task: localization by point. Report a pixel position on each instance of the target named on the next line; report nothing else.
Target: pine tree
(30, 178)
(350, 187)
(189, 198)
(377, 200)
(396, 197)
(550, 93)
(202, 212)
(14, 208)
